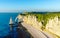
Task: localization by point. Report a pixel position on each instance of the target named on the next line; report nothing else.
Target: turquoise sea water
(4, 22)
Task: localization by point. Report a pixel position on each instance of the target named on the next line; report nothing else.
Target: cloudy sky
(30, 5)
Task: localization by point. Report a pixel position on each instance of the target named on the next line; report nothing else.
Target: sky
(29, 5)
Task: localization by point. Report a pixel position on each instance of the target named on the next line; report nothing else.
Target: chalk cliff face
(19, 18)
(32, 21)
(53, 25)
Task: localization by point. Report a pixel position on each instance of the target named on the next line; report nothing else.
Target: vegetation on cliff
(43, 16)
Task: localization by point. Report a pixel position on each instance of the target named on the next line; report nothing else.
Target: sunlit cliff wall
(32, 21)
(53, 25)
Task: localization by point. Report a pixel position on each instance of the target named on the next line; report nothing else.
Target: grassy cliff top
(43, 15)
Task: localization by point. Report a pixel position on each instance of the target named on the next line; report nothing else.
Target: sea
(4, 22)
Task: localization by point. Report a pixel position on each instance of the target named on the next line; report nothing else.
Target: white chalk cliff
(53, 25)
